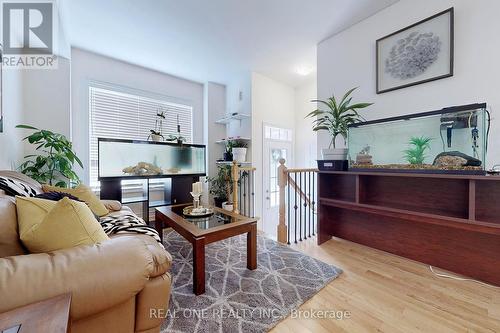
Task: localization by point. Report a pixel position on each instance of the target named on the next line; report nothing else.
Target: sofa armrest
(112, 205)
(98, 276)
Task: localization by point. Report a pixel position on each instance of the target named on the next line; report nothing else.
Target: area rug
(237, 299)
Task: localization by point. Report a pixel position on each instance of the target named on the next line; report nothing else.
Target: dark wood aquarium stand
(176, 190)
(448, 221)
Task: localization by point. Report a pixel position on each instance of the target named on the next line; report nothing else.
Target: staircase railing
(243, 179)
(297, 205)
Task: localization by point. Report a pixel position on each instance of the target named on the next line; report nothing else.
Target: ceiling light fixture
(304, 70)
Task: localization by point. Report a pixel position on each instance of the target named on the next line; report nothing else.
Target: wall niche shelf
(448, 221)
(232, 117)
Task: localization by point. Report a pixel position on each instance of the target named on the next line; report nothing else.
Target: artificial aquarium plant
(335, 116)
(416, 154)
(53, 160)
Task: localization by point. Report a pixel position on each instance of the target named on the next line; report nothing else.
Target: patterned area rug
(237, 299)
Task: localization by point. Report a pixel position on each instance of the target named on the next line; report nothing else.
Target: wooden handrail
(247, 169)
(302, 170)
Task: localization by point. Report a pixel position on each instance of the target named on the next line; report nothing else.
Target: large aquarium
(451, 140)
(129, 158)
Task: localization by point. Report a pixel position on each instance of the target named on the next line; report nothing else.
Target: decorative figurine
(364, 157)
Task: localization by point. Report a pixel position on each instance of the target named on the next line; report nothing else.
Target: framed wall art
(419, 53)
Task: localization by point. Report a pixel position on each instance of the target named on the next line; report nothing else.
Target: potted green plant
(239, 150)
(228, 151)
(53, 160)
(335, 117)
(220, 186)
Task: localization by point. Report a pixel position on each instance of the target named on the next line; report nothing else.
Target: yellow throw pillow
(83, 193)
(31, 211)
(68, 224)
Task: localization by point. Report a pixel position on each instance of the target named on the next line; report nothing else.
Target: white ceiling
(213, 40)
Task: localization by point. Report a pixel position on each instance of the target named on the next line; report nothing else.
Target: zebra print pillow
(16, 187)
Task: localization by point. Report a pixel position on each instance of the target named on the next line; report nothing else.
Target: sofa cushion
(10, 245)
(68, 224)
(83, 193)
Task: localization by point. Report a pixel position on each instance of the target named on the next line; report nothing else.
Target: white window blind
(122, 115)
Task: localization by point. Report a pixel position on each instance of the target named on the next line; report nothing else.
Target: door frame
(265, 171)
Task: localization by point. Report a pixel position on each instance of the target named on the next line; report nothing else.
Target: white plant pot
(156, 138)
(227, 206)
(337, 154)
(239, 154)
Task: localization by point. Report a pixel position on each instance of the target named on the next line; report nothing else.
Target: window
(123, 115)
(276, 133)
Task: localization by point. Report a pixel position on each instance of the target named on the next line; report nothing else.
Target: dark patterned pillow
(16, 187)
(56, 196)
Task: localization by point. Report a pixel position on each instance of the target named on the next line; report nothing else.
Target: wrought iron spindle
(315, 215)
(244, 202)
(304, 198)
(295, 207)
(240, 192)
(288, 206)
(309, 196)
(300, 206)
(253, 194)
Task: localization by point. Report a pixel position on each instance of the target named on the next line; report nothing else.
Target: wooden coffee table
(202, 231)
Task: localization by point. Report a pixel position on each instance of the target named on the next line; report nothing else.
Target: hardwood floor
(387, 293)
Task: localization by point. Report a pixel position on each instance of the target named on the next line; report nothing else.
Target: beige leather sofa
(114, 285)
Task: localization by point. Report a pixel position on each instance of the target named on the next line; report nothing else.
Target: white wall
(47, 98)
(272, 103)
(215, 108)
(11, 147)
(348, 59)
(305, 139)
(242, 82)
(37, 97)
(87, 66)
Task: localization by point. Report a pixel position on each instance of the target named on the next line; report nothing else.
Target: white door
(273, 152)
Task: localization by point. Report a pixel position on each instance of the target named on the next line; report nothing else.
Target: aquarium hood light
(467, 107)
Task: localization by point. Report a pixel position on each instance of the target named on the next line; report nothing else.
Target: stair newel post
(235, 175)
(282, 183)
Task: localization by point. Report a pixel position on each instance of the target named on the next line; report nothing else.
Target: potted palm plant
(335, 117)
